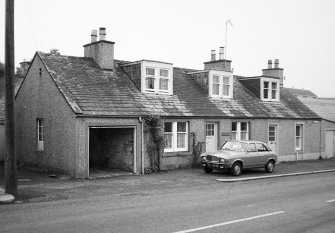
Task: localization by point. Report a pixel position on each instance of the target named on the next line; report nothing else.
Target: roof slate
(325, 107)
(95, 92)
(302, 92)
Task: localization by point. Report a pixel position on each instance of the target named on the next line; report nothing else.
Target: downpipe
(142, 145)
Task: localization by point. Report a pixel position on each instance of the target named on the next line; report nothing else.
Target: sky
(300, 33)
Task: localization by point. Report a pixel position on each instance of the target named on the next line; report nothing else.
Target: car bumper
(215, 166)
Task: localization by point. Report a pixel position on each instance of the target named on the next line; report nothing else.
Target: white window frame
(149, 76)
(269, 89)
(157, 66)
(220, 74)
(300, 138)
(239, 131)
(175, 138)
(40, 134)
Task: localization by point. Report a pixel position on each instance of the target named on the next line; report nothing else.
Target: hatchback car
(238, 155)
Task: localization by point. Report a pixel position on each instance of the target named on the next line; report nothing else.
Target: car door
(262, 154)
(251, 159)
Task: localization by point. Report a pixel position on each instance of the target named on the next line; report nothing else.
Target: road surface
(290, 204)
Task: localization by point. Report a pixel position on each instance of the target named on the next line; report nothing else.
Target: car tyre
(270, 166)
(236, 169)
(208, 170)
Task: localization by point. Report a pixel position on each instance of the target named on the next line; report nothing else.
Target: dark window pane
(168, 127)
(164, 73)
(234, 126)
(150, 71)
(181, 126)
(244, 126)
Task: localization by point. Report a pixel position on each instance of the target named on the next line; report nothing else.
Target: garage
(112, 149)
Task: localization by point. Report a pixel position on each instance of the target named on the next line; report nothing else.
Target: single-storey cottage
(76, 114)
(325, 108)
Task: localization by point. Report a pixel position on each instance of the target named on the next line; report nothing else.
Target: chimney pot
(221, 53)
(94, 36)
(269, 64)
(276, 63)
(102, 33)
(213, 55)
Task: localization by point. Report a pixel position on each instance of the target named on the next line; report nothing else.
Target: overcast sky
(300, 33)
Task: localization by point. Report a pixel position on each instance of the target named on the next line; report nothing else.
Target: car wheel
(270, 166)
(236, 169)
(208, 170)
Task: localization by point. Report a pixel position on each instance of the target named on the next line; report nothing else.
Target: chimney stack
(94, 36)
(275, 71)
(221, 53)
(101, 51)
(102, 33)
(213, 55)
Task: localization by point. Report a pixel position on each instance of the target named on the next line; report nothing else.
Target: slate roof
(94, 92)
(325, 107)
(302, 92)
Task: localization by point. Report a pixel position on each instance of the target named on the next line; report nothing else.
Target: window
(156, 77)
(40, 134)
(220, 85)
(274, 91)
(272, 133)
(216, 85)
(225, 86)
(176, 136)
(270, 91)
(298, 136)
(209, 129)
(168, 135)
(164, 80)
(266, 90)
(240, 130)
(261, 147)
(150, 79)
(252, 147)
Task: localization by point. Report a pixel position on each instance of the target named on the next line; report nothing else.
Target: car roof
(246, 141)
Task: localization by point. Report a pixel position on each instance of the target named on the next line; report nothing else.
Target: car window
(234, 146)
(252, 147)
(261, 147)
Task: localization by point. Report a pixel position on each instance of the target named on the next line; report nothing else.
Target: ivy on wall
(156, 144)
(196, 150)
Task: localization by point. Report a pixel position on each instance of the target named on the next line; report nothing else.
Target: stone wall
(39, 97)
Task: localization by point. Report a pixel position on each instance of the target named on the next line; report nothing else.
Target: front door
(330, 143)
(211, 137)
(272, 139)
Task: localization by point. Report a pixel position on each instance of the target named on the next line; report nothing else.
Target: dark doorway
(111, 149)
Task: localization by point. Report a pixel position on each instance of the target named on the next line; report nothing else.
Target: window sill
(157, 93)
(177, 153)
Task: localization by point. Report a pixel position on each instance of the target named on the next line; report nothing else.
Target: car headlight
(203, 158)
(221, 160)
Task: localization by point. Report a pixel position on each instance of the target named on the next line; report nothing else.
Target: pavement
(40, 186)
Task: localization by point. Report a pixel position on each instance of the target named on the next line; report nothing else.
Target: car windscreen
(235, 146)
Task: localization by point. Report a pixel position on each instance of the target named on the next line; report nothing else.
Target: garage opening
(111, 150)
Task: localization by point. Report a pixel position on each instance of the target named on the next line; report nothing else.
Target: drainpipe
(142, 145)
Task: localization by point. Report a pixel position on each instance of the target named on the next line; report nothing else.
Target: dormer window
(157, 80)
(269, 89)
(151, 76)
(220, 84)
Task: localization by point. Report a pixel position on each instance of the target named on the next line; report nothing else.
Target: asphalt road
(290, 204)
